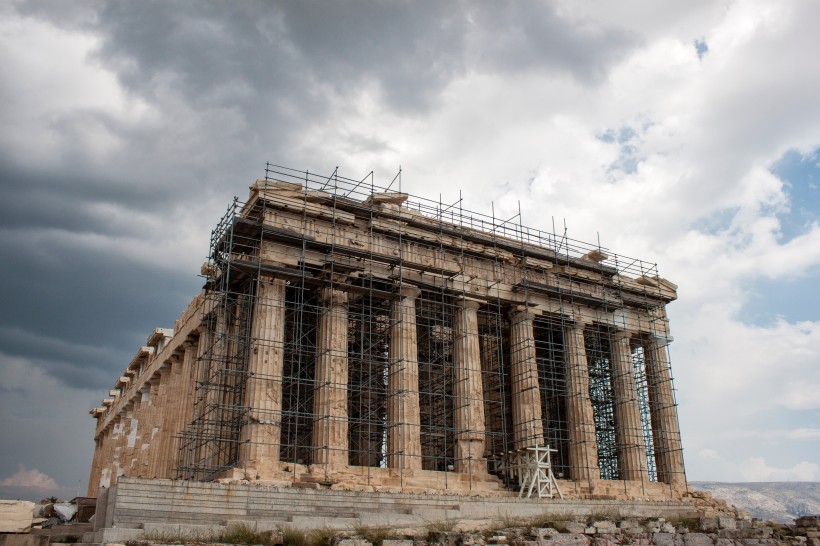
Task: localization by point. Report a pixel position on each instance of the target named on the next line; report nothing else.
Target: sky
(682, 133)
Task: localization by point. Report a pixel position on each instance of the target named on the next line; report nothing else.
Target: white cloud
(30, 479)
(690, 188)
(755, 469)
(708, 454)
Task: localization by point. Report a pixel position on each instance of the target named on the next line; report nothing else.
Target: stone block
(23, 540)
(355, 541)
(606, 540)
(727, 523)
(663, 539)
(16, 516)
(605, 527)
(574, 527)
(117, 535)
(709, 525)
(392, 542)
(544, 533)
(571, 539)
(697, 539)
(629, 525)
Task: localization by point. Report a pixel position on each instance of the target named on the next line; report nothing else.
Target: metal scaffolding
(301, 248)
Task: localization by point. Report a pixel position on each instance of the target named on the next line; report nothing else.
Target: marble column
(330, 438)
(261, 435)
(583, 446)
(145, 428)
(631, 450)
(162, 420)
(171, 426)
(96, 466)
(528, 430)
(469, 390)
(104, 479)
(665, 429)
(130, 442)
(184, 410)
(403, 415)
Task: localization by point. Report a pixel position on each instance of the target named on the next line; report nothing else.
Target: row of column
(142, 439)
(330, 427)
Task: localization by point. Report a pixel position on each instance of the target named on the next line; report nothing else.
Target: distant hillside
(780, 501)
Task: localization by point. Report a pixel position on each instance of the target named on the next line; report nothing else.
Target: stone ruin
(354, 337)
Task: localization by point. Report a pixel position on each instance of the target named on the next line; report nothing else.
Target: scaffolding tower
(466, 255)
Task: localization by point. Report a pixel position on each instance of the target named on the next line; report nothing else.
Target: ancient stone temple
(354, 337)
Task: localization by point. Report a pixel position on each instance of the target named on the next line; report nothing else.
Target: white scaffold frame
(531, 467)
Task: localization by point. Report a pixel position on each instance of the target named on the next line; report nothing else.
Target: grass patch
(294, 537)
(613, 515)
(692, 524)
(374, 535)
(433, 528)
(242, 534)
(554, 520)
(173, 537)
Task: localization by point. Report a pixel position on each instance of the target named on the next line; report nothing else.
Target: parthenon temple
(354, 337)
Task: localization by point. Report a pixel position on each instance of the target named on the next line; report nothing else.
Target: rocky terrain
(778, 501)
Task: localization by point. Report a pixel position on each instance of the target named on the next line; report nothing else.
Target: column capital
(619, 334)
(468, 303)
(518, 312)
(409, 291)
(334, 296)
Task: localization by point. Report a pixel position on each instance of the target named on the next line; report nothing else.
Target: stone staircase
(136, 506)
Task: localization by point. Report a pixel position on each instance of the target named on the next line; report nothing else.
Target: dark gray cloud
(210, 90)
(528, 36)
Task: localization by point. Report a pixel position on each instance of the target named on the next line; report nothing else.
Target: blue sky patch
(702, 48)
(795, 300)
(801, 174)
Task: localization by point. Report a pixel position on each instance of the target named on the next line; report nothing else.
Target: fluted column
(184, 410)
(528, 430)
(104, 479)
(96, 466)
(665, 429)
(632, 453)
(469, 390)
(162, 420)
(171, 425)
(262, 431)
(145, 428)
(583, 446)
(330, 441)
(130, 443)
(403, 415)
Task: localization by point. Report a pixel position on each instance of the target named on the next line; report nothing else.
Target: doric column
(583, 447)
(161, 420)
(528, 430)
(403, 416)
(108, 455)
(96, 465)
(469, 391)
(145, 427)
(183, 410)
(665, 430)
(171, 425)
(261, 435)
(128, 454)
(330, 441)
(632, 454)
